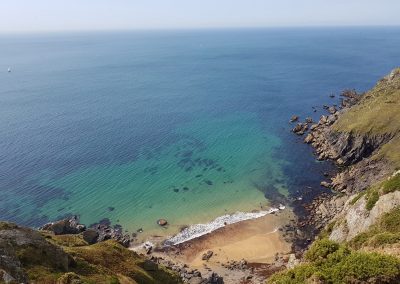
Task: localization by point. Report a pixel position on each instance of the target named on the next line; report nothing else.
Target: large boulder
(90, 236)
(66, 226)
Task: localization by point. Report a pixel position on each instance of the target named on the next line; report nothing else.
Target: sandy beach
(256, 241)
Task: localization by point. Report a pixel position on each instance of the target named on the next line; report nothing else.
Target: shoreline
(194, 232)
(235, 248)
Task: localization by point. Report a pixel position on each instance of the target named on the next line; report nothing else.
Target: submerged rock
(300, 128)
(294, 118)
(162, 222)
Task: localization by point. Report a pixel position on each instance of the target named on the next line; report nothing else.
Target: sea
(128, 127)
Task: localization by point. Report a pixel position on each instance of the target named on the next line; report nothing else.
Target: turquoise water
(185, 126)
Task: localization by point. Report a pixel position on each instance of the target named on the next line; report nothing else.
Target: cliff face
(364, 138)
(363, 218)
(29, 256)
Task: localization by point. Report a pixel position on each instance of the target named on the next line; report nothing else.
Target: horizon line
(216, 28)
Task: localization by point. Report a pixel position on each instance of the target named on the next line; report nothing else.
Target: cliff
(361, 239)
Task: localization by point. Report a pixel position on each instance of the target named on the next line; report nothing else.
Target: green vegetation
(391, 185)
(372, 198)
(64, 259)
(377, 117)
(378, 114)
(330, 262)
(385, 231)
(355, 199)
(373, 193)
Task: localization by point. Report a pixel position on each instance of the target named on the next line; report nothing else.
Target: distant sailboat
(9, 70)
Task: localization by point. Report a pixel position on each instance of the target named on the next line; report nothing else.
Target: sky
(71, 15)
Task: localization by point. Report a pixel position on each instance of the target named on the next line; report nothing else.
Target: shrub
(372, 198)
(321, 249)
(365, 266)
(297, 275)
(392, 184)
(383, 239)
(332, 263)
(390, 221)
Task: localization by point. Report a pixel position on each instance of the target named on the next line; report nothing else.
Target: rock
(22, 247)
(207, 255)
(66, 226)
(7, 278)
(297, 128)
(294, 118)
(215, 279)
(90, 236)
(162, 222)
(106, 232)
(325, 184)
(125, 241)
(300, 128)
(332, 110)
(309, 138)
(309, 120)
(195, 280)
(323, 119)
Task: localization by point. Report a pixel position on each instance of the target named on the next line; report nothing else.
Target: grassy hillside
(378, 113)
(372, 256)
(28, 255)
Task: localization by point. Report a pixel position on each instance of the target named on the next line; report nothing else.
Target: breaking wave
(198, 230)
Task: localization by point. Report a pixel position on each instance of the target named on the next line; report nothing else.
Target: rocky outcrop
(66, 226)
(30, 256)
(20, 247)
(191, 276)
(356, 218)
(98, 232)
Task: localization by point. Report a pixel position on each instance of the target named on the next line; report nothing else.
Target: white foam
(198, 230)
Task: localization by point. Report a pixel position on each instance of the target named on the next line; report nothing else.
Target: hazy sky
(43, 15)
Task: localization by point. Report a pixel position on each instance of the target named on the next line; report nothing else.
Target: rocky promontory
(360, 219)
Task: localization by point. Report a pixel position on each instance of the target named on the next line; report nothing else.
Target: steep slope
(361, 242)
(364, 138)
(30, 256)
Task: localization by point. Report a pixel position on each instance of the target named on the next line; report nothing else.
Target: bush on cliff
(330, 262)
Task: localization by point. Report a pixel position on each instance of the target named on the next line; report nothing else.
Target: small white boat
(9, 70)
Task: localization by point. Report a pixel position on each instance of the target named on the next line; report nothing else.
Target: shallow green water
(212, 169)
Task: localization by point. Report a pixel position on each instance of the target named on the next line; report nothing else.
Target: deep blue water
(96, 120)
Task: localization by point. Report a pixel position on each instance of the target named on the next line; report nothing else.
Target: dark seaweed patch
(110, 208)
(209, 182)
